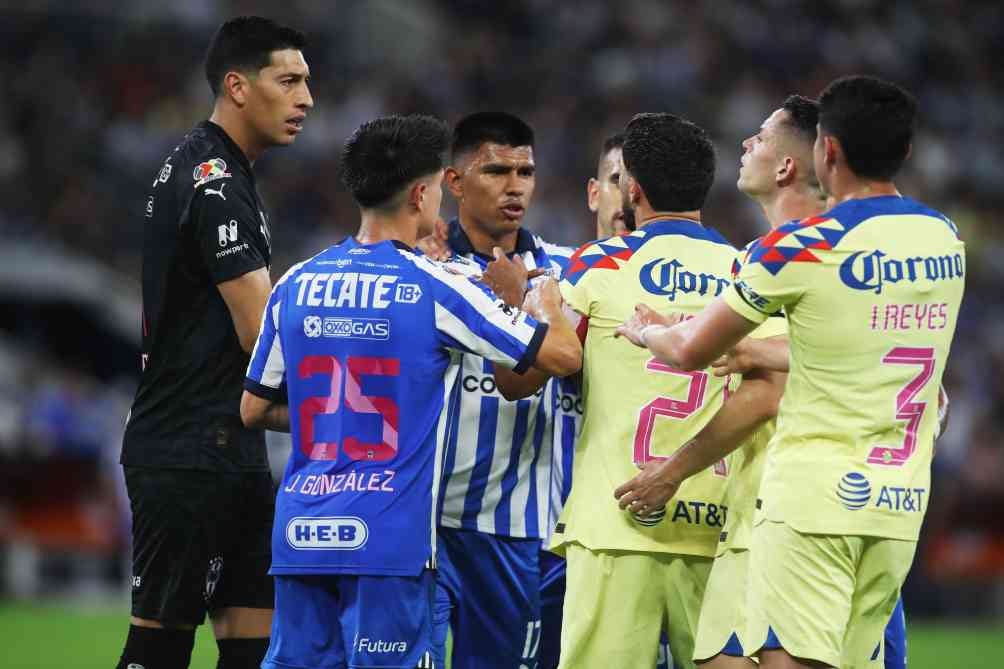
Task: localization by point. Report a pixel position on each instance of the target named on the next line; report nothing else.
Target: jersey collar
(231, 145)
(461, 243)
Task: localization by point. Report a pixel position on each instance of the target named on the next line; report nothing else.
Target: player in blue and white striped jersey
(358, 340)
(498, 468)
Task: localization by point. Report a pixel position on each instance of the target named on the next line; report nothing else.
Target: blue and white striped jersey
(360, 338)
(498, 470)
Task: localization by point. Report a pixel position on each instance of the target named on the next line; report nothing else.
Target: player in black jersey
(199, 486)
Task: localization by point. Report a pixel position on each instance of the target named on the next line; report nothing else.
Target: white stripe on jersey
(475, 497)
(275, 364)
(457, 329)
(437, 473)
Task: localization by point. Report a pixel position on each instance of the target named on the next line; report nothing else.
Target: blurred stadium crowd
(96, 93)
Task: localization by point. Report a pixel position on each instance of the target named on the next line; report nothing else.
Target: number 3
(906, 408)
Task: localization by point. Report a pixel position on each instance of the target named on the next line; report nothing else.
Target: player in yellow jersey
(871, 290)
(628, 577)
(777, 173)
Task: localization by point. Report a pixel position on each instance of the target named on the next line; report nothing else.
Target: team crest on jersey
(211, 170)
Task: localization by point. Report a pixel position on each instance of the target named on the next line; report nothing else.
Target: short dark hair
(672, 159)
(497, 127)
(385, 155)
(246, 43)
(873, 121)
(803, 116)
(615, 141)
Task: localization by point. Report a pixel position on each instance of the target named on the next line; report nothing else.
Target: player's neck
(845, 185)
(375, 227)
(644, 214)
(483, 241)
(229, 119)
(790, 204)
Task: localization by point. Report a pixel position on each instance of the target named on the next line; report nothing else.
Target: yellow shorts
(618, 602)
(723, 611)
(823, 597)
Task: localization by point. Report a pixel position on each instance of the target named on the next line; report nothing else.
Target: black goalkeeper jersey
(203, 224)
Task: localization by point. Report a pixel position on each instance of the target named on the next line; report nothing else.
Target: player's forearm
(261, 414)
(693, 344)
(751, 406)
(561, 352)
(515, 386)
(770, 354)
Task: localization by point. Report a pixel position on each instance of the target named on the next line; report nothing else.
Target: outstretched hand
(643, 317)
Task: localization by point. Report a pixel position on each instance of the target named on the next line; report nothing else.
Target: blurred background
(95, 94)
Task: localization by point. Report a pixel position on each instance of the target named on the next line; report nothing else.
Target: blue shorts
(552, 599)
(895, 639)
(488, 592)
(345, 622)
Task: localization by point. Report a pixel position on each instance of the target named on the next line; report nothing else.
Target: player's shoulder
(558, 254)
(607, 253)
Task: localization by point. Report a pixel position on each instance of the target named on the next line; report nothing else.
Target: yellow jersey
(872, 291)
(636, 408)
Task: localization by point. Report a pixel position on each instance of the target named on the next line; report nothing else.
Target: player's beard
(629, 222)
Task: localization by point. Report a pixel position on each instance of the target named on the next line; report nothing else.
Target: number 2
(666, 406)
(906, 408)
(355, 401)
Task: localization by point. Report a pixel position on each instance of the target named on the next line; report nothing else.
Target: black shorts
(202, 541)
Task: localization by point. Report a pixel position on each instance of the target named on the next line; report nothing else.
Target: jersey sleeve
(472, 319)
(227, 230)
(765, 284)
(266, 375)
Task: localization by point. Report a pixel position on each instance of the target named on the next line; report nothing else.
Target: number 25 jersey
(637, 409)
(872, 291)
(360, 339)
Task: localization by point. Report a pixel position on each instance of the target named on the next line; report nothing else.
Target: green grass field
(39, 636)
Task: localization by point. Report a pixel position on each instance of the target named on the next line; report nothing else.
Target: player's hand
(643, 317)
(508, 278)
(544, 301)
(436, 246)
(650, 490)
(736, 361)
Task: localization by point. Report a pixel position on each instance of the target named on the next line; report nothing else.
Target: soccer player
(354, 358)
(776, 173)
(603, 195)
(198, 481)
(603, 198)
(628, 578)
(498, 467)
(871, 290)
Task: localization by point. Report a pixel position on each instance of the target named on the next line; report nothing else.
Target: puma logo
(210, 191)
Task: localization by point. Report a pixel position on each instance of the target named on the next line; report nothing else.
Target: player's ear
(593, 194)
(417, 193)
(786, 171)
(635, 193)
(236, 87)
(831, 149)
(454, 182)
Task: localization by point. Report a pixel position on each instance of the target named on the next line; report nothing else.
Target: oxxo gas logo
(872, 271)
(668, 277)
(334, 533)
